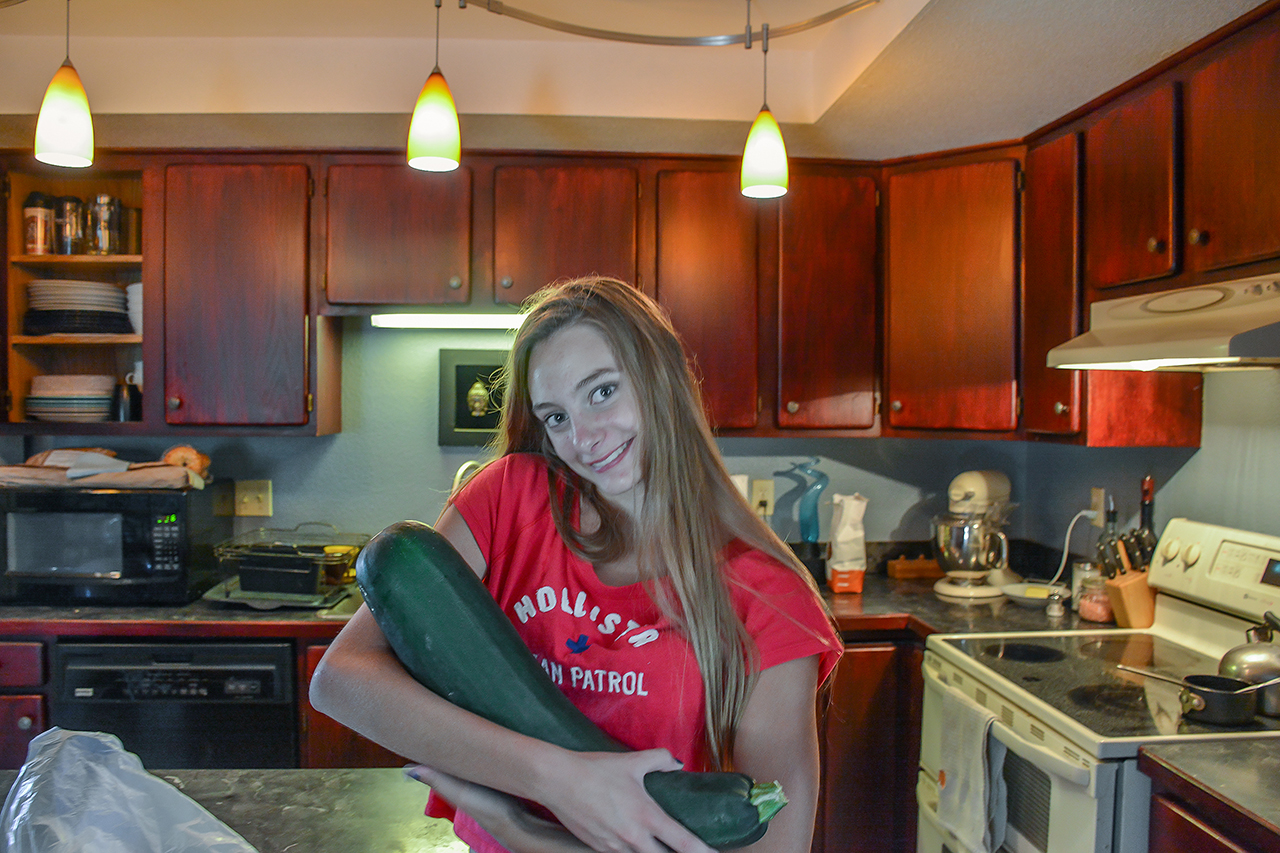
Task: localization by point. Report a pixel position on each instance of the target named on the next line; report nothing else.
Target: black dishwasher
(182, 705)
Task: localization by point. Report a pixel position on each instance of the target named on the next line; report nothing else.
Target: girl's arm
(777, 739)
(600, 797)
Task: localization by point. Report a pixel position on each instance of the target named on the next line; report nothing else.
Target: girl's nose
(587, 432)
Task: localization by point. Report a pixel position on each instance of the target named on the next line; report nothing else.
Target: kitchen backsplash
(385, 465)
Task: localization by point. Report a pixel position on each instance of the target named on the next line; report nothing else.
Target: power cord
(1066, 542)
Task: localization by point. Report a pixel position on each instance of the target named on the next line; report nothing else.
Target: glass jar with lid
(1094, 604)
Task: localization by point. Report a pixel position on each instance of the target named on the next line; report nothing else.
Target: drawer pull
(25, 723)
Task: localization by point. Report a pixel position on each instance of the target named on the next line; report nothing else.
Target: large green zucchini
(452, 637)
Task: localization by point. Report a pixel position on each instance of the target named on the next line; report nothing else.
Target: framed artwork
(470, 395)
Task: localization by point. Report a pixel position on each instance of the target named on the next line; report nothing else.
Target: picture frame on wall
(470, 395)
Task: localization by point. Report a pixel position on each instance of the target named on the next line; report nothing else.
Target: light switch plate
(762, 497)
(253, 497)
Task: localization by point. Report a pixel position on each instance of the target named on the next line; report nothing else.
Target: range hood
(1223, 326)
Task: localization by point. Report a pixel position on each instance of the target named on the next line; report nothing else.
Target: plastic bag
(81, 791)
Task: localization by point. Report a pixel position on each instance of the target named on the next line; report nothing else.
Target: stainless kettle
(1256, 661)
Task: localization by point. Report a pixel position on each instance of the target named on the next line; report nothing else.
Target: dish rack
(311, 559)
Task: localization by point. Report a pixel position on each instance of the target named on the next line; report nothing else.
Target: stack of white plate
(133, 299)
(59, 295)
(76, 399)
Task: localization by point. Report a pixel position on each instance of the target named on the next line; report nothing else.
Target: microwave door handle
(1039, 756)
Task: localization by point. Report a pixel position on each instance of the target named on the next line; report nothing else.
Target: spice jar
(1094, 604)
(37, 215)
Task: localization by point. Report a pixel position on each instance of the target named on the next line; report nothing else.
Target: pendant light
(64, 129)
(435, 143)
(764, 159)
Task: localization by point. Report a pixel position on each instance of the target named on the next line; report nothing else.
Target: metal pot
(1213, 699)
(1256, 661)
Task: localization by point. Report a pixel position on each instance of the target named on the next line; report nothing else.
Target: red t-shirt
(609, 648)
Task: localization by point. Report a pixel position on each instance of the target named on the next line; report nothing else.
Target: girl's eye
(554, 419)
(604, 392)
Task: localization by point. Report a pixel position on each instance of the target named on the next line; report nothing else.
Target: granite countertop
(1240, 777)
(335, 811)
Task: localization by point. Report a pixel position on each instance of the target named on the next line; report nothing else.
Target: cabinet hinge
(877, 198)
(6, 187)
(311, 186)
(311, 403)
(1020, 181)
(1017, 408)
(8, 395)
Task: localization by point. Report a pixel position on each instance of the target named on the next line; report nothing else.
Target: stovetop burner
(1024, 652)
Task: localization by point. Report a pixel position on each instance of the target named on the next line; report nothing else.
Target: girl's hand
(600, 798)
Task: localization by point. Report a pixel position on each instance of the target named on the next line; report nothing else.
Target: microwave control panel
(166, 542)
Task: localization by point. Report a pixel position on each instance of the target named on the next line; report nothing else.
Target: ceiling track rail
(746, 37)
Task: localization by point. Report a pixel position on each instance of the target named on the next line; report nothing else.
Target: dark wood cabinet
(235, 294)
(1098, 408)
(397, 235)
(1232, 115)
(950, 294)
(1051, 297)
(1132, 193)
(554, 222)
(707, 279)
(22, 708)
(828, 341)
(870, 734)
(324, 742)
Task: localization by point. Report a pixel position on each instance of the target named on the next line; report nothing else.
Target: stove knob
(1171, 549)
(1192, 553)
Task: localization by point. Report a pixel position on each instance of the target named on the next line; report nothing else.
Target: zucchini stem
(768, 799)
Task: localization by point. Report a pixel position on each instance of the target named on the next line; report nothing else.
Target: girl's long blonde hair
(691, 509)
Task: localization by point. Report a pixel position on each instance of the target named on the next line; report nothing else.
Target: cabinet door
(561, 222)
(951, 290)
(398, 235)
(1131, 192)
(235, 294)
(1175, 830)
(1233, 159)
(707, 280)
(827, 327)
(1051, 300)
(21, 719)
(327, 743)
(871, 751)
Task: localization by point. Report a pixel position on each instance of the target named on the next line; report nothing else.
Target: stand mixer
(971, 549)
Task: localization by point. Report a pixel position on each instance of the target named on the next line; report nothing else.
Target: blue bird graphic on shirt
(578, 644)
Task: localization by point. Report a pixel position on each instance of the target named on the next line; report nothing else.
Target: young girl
(608, 531)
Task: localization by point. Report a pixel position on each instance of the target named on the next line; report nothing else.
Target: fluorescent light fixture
(446, 321)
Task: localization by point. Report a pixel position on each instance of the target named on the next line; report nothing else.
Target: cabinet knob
(25, 723)
(793, 407)
(1061, 408)
(455, 282)
(174, 403)
(1155, 246)
(506, 282)
(1196, 237)
(896, 405)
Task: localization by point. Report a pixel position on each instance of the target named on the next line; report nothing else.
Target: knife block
(1132, 600)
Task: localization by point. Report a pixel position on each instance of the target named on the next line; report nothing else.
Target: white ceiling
(896, 78)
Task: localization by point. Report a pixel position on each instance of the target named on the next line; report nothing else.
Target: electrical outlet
(253, 497)
(1097, 503)
(762, 496)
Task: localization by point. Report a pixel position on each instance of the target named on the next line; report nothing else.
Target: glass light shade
(764, 160)
(64, 130)
(435, 143)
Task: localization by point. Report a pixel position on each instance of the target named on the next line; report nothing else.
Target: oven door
(1054, 805)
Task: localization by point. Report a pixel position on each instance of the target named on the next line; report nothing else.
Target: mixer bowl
(968, 544)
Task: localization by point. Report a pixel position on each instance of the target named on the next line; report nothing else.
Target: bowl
(1035, 595)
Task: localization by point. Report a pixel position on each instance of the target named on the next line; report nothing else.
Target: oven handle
(1037, 755)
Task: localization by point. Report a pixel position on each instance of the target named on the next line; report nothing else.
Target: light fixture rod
(68, 56)
(437, 32)
(500, 8)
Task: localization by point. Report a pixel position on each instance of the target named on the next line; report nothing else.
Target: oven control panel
(1232, 570)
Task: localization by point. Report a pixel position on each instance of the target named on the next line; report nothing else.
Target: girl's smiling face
(588, 408)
